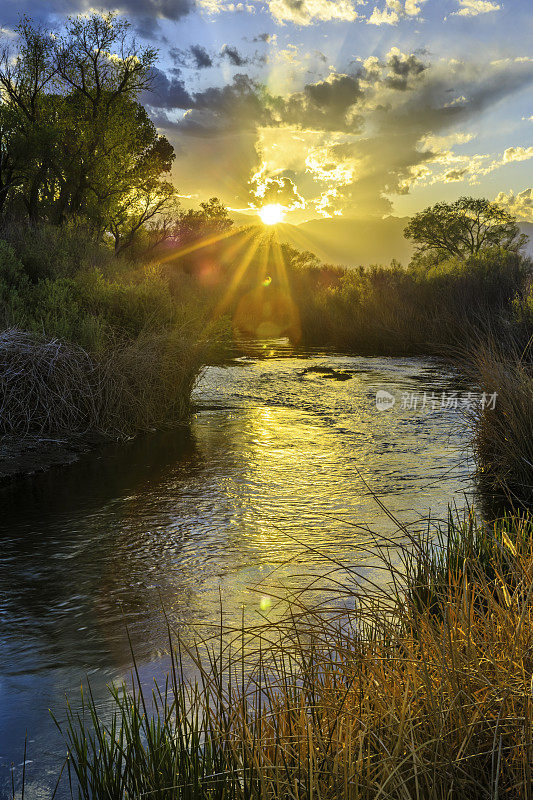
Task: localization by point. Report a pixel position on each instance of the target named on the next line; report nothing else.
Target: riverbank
(23, 457)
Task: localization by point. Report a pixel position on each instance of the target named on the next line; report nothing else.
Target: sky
(331, 108)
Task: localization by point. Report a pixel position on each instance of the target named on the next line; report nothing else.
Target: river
(277, 459)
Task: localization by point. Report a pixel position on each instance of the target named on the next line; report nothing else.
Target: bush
(49, 251)
(409, 311)
(89, 309)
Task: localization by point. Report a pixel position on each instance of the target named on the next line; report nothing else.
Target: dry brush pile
(49, 386)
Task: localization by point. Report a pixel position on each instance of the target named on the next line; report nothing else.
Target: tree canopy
(464, 228)
(74, 140)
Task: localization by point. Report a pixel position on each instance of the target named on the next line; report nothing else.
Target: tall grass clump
(49, 386)
(389, 700)
(503, 431)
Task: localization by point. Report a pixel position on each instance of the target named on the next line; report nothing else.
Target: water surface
(275, 461)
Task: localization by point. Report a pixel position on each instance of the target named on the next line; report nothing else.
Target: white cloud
(517, 154)
(521, 205)
(393, 11)
(412, 7)
(473, 8)
(455, 167)
(385, 17)
(305, 12)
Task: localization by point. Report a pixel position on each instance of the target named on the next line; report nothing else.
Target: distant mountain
(527, 228)
(351, 242)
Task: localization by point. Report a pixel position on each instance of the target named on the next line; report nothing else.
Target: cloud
(324, 105)
(167, 92)
(455, 175)
(472, 8)
(402, 69)
(517, 154)
(196, 57)
(521, 205)
(240, 105)
(264, 37)
(393, 11)
(471, 168)
(202, 59)
(267, 190)
(387, 16)
(233, 55)
(349, 142)
(144, 14)
(306, 12)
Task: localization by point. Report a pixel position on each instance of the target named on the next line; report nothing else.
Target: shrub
(49, 251)
(402, 311)
(503, 434)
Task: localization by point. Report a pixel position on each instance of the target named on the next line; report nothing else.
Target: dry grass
(503, 436)
(51, 386)
(389, 701)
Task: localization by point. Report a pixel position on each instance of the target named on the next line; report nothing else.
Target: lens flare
(272, 214)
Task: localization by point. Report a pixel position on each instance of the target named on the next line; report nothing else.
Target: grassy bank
(422, 691)
(503, 434)
(412, 310)
(91, 343)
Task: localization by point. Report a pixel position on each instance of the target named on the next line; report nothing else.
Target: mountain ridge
(352, 242)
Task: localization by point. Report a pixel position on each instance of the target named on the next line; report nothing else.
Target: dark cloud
(324, 105)
(233, 55)
(237, 106)
(456, 175)
(263, 37)
(402, 69)
(167, 92)
(143, 14)
(196, 56)
(201, 57)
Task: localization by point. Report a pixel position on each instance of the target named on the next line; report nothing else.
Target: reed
(389, 700)
(503, 440)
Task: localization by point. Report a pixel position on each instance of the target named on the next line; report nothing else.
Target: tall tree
(205, 223)
(74, 141)
(464, 228)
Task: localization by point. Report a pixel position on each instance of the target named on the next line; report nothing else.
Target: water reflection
(273, 462)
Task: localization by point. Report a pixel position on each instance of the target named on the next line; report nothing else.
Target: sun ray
(185, 251)
(301, 240)
(224, 302)
(283, 278)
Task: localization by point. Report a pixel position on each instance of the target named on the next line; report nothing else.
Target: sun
(272, 214)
